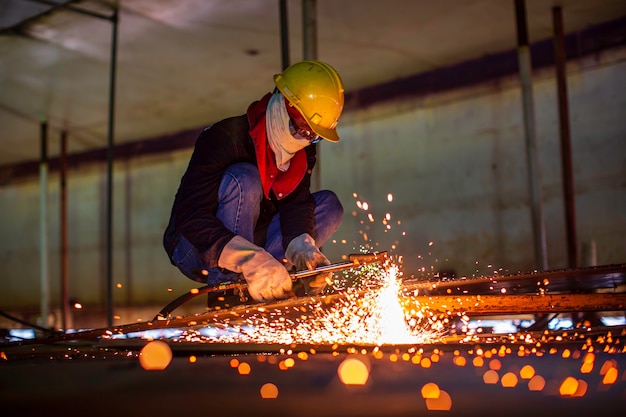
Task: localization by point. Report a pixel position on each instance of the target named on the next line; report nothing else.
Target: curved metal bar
(193, 293)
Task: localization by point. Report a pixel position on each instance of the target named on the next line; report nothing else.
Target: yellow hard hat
(316, 90)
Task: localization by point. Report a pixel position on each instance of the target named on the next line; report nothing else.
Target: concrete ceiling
(183, 64)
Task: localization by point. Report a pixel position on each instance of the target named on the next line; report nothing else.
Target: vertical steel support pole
(284, 34)
(309, 29)
(309, 51)
(569, 194)
(110, 157)
(43, 225)
(65, 298)
(534, 175)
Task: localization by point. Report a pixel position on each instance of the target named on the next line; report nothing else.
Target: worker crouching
(244, 206)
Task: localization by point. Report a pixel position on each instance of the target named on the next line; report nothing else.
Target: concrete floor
(106, 378)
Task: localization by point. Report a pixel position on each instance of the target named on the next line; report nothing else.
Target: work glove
(267, 278)
(303, 254)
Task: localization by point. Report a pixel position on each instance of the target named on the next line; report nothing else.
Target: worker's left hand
(304, 254)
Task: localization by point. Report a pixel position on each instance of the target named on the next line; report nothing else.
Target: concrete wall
(143, 194)
(454, 163)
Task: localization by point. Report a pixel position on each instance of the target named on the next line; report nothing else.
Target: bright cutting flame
(387, 323)
(374, 316)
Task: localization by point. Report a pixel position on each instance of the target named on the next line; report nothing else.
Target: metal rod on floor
(284, 34)
(534, 175)
(65, 298)
(43, 225)
(569, 194)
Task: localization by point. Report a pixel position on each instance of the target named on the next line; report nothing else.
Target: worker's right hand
(267, 278)
(304, 254)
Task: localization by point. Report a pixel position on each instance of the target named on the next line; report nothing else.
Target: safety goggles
(312, 137)
(300, 128)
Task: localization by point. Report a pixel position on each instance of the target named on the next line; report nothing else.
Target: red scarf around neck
(281, 183)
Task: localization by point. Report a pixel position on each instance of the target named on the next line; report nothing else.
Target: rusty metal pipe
(475, 305)
(481, 305)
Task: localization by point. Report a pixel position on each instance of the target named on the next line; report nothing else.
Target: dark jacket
(195, 204)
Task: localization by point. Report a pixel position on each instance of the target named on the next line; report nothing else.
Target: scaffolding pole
(43, 226)
(65, 298)
(534, 175)
(569, 194)
(309, 52)
(284, 33)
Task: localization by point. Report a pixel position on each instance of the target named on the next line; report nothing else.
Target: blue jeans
(240, 195)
